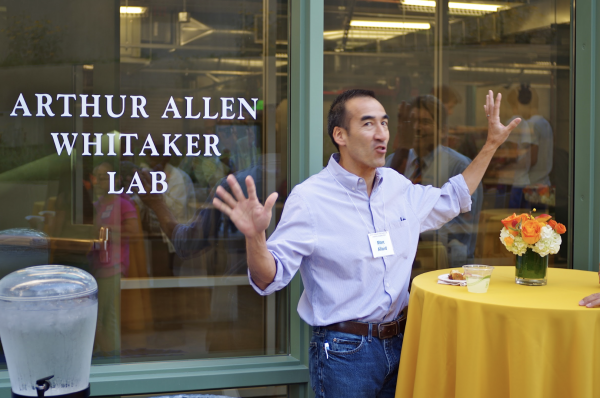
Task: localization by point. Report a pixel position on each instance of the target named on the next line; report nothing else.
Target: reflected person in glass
(118, 213)
(431, 162)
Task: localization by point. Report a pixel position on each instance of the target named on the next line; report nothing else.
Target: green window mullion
(586, 145)
(189, 375)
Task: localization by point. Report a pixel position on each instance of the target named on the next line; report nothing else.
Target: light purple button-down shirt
(324, 230)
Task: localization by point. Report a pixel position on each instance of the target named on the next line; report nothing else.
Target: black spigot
(42, 385)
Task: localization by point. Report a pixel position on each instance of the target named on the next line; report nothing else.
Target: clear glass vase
(531, 269)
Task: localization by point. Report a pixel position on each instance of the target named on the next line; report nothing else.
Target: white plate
(445, 278)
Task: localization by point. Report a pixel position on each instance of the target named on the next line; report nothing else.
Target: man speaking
(352, 231)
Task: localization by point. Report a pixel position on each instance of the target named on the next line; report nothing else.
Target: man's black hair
(337, 113)
(434, 107)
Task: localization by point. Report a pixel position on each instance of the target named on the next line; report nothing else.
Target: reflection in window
(431, 63)
(125, 88)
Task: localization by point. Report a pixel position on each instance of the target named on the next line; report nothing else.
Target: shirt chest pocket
(400, 232)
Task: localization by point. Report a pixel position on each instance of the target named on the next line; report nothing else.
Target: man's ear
(339, 135)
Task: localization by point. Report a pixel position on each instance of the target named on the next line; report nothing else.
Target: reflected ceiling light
(500, 70)
(474, 6)
(421, 3)
(390, 25)
(133, 10)
(455, 6)
(355, 34)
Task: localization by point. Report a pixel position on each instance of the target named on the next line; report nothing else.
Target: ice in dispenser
(47, 324)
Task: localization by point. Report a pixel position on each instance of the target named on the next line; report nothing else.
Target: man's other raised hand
(497, 132)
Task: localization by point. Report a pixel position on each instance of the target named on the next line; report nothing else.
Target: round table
(513, 341)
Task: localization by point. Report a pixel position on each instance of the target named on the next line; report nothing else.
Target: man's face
(424, 128)
(366, 137)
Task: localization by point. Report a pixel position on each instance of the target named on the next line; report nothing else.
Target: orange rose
(552, 223)
(531, 231)
(560, 229)
(511, 221)
(543, 218)
(509, 241)
(524, 217)
(513, 232)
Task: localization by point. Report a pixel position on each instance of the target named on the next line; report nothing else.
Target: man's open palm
(248, 214)
(497, 132)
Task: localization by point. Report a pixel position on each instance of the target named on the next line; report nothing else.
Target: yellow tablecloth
(513, 341)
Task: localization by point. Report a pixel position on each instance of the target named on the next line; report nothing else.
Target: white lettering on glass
(156, 180)
(171, 107)
(87, 144)
(85, 105)
(21, 104)
(138, 103)
(191, 144)
(68, 146)
(189, 114)
(65, 97)
(109, 106)
(111, 176)
(207, 114)
(43, 102)
(136, 182)
(171, 144)
(251, 109)
(149, 144)
(225, 107)
(208, 144)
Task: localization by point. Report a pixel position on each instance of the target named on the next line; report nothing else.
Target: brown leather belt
(380, 330)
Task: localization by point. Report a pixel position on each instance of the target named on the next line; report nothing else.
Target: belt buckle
(381, 326)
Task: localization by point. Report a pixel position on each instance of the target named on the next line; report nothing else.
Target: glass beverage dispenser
(47, 325)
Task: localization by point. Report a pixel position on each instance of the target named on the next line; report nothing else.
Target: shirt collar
(348, 180)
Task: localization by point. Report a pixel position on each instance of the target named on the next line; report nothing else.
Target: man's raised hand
(248, 214)
(497, 132)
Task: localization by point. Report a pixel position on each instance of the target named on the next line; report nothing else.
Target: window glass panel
(99, 96)
(431, 64)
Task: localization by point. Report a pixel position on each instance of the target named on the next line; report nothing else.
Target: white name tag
(381, 244)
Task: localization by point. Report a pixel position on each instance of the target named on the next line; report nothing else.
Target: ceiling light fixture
(368, 35)
(133, 10)
(455, 6)
(390, 25)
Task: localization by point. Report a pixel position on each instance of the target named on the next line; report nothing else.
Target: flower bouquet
(531, 239)
(540, 193)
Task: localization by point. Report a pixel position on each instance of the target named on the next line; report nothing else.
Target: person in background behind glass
(429, 162)
(523, 146)
(542, 145)
(118, 213)
(180, 198)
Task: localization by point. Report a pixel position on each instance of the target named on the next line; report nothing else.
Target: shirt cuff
(273, 286)
(462, 192)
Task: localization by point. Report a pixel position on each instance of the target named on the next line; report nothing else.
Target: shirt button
(354, 189)
(387, 285)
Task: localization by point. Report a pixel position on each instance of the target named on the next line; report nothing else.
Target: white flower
(518, 247)
(549, 242)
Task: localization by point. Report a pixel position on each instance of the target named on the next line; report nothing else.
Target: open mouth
(381, 149)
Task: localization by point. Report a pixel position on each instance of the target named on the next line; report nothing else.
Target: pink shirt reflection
(112, 211)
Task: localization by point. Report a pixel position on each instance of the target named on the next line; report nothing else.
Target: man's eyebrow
(367, 117)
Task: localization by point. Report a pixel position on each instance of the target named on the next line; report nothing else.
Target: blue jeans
(353, 366)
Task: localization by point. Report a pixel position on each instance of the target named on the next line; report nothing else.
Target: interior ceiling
(234, 43)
